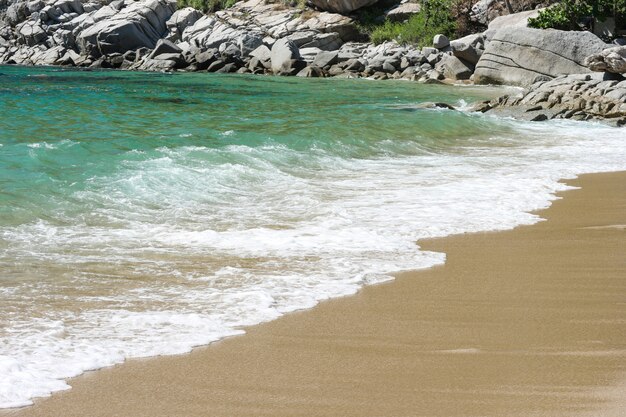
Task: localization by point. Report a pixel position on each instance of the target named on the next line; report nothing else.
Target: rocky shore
(566, 74)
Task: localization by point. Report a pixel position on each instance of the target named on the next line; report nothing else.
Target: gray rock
(326, 59)
(165, 46)
(515, 20)
(440, 41)
(520, 55)
(388, 67)
(284, 52)
(206, 58)
(326, 41)
(465, 52)
(455, 68)
(402, 11)
(16, 13)
(309, 54)
(158, 65)
(31, 33)
(263, 53)
(248, 42)
(311, 72)
(341, 6)
(480, 10)
(180, 20)
(140, 24)
(611, 60)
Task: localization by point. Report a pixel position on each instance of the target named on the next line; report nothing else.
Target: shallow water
(144, 214)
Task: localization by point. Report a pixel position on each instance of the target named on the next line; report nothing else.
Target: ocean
(143, 214)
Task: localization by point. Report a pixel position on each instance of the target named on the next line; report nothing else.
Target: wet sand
(529, 322)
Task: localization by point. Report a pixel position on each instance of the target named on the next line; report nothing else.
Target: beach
(527, 322)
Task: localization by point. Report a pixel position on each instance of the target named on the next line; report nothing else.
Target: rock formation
(593, 96)
(610, 60)
(522, 56)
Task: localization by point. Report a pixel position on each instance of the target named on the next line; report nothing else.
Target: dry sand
(529, 322)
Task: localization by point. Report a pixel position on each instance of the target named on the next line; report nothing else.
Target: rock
(165, 46)
(16, 13)
(311, 72)
(284, 52)
(454, 68)
(520, 55)
(341, 6)
(465, 51)
(326, 41)
(227, 68)
(611, 60)
(162, 65)
(325, 59)
(387, 67)
(180, 20)
(31, 33)
(577, 96)
(140, 24)
(480, 11)
(263, 53)
(440, 41)
(206, 58)
(515, 20)
(326, 22)
(309, 54)
(353, 65)
(248, 42)
(402, 11)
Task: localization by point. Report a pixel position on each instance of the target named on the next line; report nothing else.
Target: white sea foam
(176, 253)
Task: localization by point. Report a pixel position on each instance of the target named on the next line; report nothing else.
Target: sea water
(145, 214)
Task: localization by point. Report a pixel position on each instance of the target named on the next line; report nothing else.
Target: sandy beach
(528, 322)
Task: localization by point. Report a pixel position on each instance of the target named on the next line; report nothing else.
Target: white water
(162, 263)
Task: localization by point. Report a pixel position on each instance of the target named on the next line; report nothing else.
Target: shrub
(207, 6)
(434, 17)
(568, 14)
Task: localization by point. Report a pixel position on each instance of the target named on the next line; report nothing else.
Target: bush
(207, 6)
(434, 17)
(570, 14)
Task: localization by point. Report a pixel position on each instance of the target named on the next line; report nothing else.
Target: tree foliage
(207, 6)
(570, 14)
(434, 17)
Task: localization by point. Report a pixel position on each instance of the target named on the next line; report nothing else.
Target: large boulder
(31, 33)
(515, 20)
(402, 11)
(455, 68)
(284, 53)
(609, 60)
(180, 20)
(521, 56)
(141, 24)
(16, 13)
(341, 6)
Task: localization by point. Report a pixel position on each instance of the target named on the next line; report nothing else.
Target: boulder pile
(263, 37)
(596, 96)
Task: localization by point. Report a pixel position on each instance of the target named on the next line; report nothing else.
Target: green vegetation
(434, 17)
(207, 6)
(570, 14)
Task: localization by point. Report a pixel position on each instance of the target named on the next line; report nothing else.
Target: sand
(528, 322)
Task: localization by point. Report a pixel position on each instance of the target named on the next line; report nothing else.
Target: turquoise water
(144, 214)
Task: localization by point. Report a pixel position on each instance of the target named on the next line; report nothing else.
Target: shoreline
(519, 322)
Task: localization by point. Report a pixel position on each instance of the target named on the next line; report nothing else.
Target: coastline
(521, 322)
